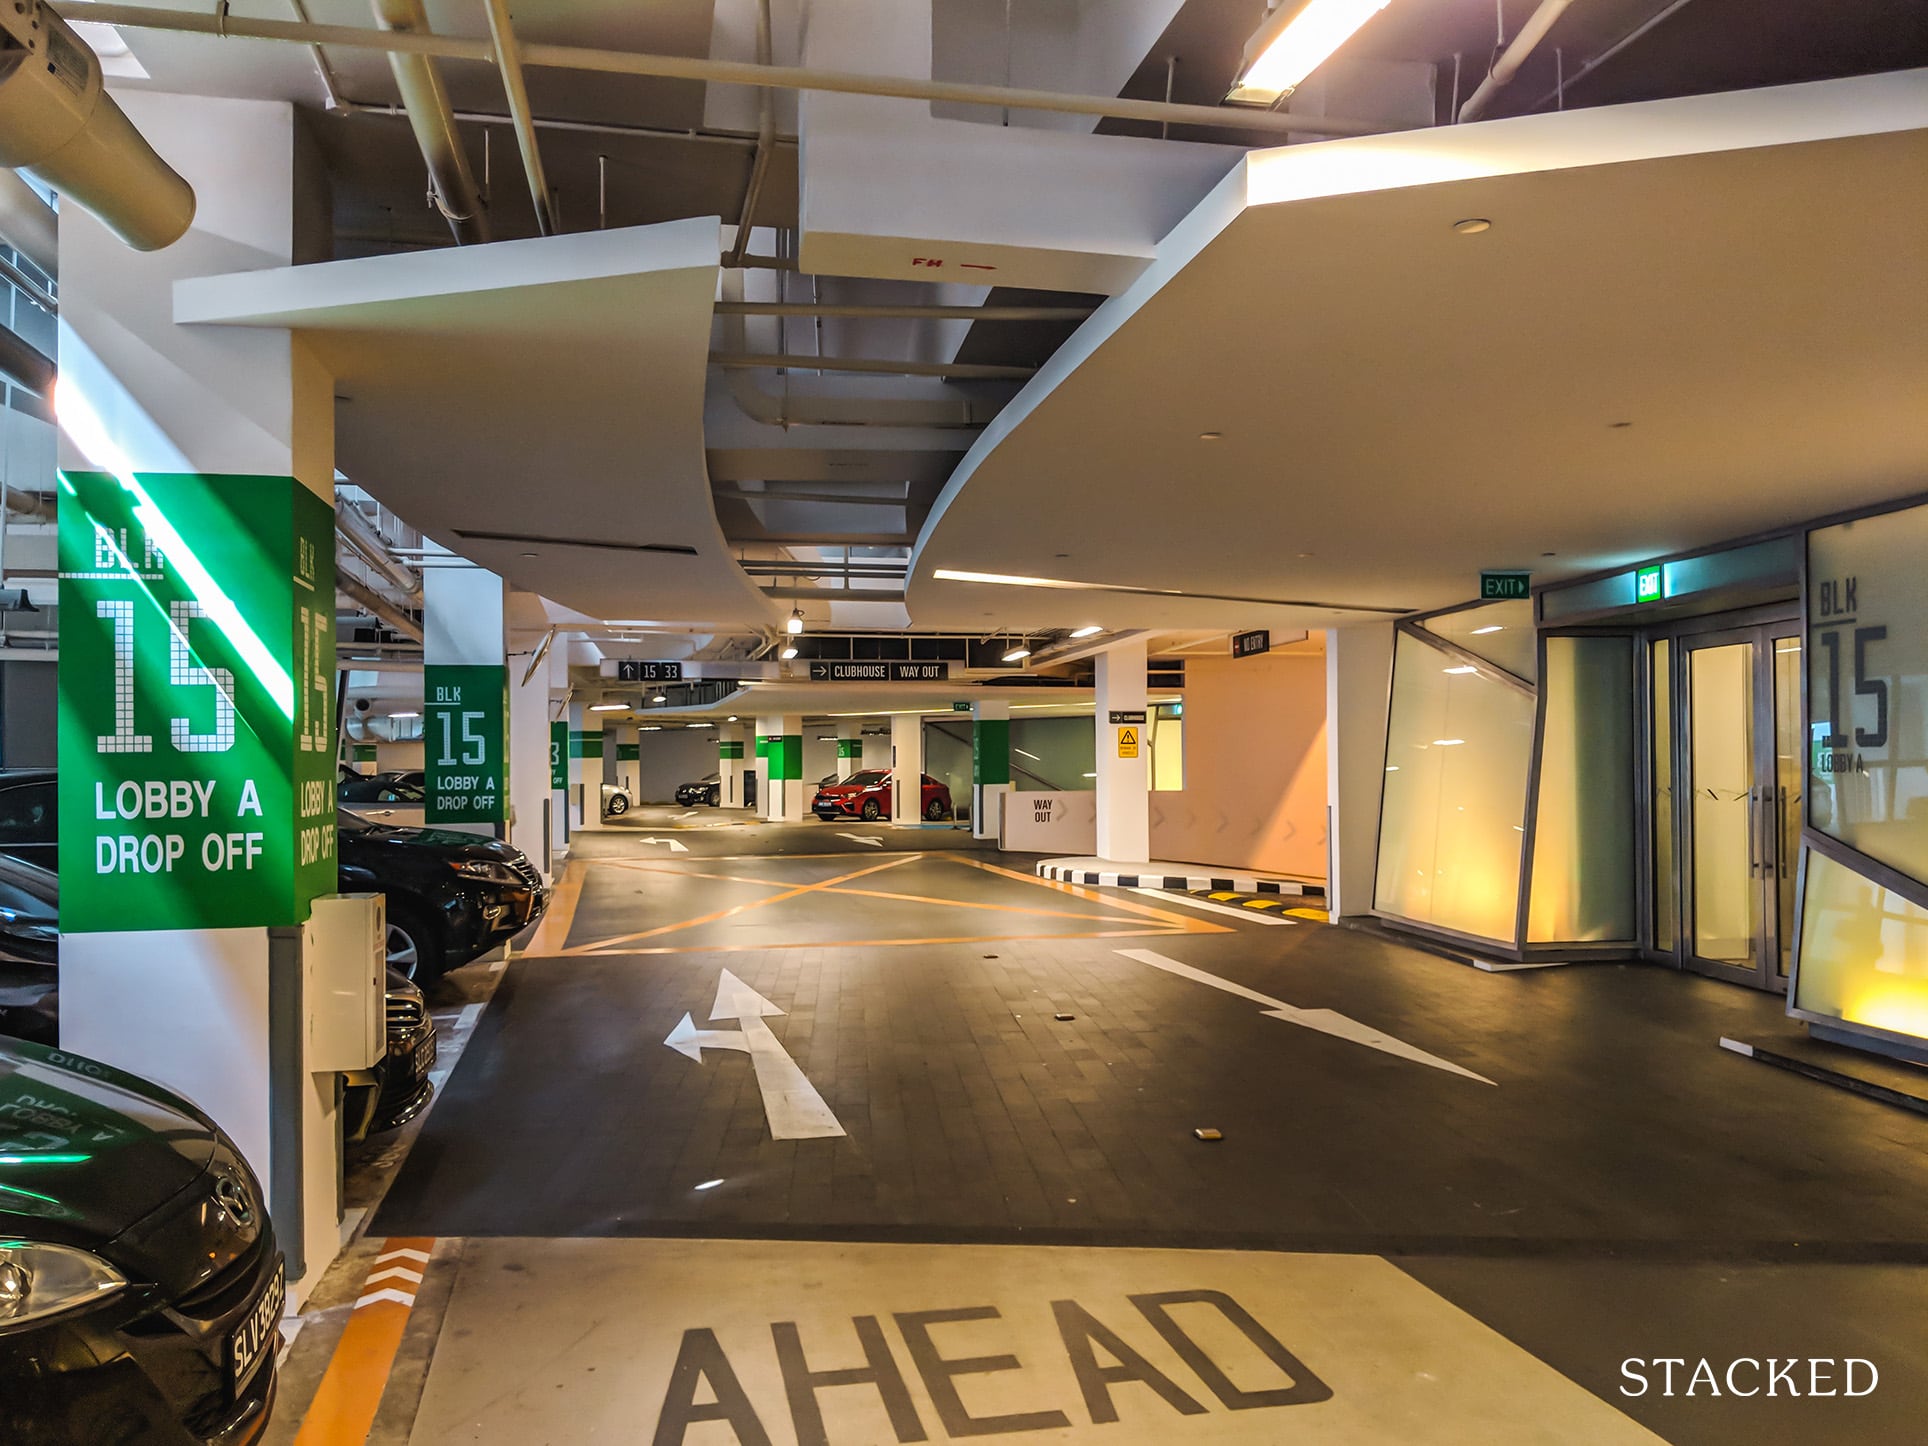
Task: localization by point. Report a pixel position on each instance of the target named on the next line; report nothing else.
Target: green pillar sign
(465, 742)
(559, 753)
(197, 667)
(991, 750)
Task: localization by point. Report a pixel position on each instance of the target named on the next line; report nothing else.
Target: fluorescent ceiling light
(1447, 742)
(787, 654)
(1295, 40)
(660, 698)
(1462, 669)
(1490, 628)
(1007, 579)
(1032, 756)
(650, 728)
(1087, 632)
(730, 719)
(405, 715)
(1017, 655)
(609, 707)
(1091, 775)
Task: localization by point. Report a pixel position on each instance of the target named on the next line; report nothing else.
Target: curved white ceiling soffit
(1689, 319)
(535, 405)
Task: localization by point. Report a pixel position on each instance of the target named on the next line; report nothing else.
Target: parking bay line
(344, 1406)
(1209, 907)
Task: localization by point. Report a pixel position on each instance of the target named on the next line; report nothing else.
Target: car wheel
(618, 805)
(935, 810)
(716, 797)
(870, 810)
(414, 949)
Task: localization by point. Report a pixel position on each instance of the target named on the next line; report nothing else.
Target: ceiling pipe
(734, 72)
(766, 135)
(877, 411)
(25, 365)
(426, 103)
(373, 603)
(28, 224)
(1509, 63)
(517, 90)
(373, 549)
(1630, 38)
(908, 312)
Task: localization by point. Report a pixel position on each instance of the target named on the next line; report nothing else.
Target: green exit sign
(1646, 584)
(1501, 586)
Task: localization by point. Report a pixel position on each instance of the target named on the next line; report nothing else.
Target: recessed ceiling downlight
(1472, 225)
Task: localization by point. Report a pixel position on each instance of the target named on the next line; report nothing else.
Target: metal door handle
(1753, 836)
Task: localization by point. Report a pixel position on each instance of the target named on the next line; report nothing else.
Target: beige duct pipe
(353, 529)
(877, 411)
(429, 116)
(517, 92)
(1508, 65)
(378, 606)
(738, 72)
(27, 223)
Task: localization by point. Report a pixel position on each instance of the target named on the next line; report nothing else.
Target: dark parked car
(141, 1291)
(395, 786)
(397, 1089)
(867, 796)
(452, 896)
(704, 790)
(28, 807)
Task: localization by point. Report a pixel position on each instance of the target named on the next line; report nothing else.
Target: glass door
(1736, 757)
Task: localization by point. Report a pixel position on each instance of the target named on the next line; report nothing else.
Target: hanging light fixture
(795, 625)
(789, 652)
(1295, 40)
(1017, 654)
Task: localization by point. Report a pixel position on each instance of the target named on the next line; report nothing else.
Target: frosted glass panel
(1451, 825)
(1867, 668)
(1721, 752)
(1583, 842)
(1864, 952)
(1500, 632)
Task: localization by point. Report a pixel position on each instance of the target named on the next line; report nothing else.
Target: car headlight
(483, 869)
(37, 1281)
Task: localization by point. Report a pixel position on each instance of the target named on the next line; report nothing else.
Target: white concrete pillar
(783, 767)
(731, 764)
(629, 760)
(213, 1013)
(990, 765)
(850, 746)
(531, 827)
(1123, 783)
(1358, 692)
(906, 767)
(585, 767)
(877, 746)
(462, 628)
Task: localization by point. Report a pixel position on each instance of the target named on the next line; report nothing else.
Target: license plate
(249, 1342)
(425, 1056)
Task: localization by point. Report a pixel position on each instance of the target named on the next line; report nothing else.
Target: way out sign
(464, 743)
(1128, 742)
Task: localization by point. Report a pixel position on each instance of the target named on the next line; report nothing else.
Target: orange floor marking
(636, 866)
(735, 909)
(877, 943)
(344, 1407)
(1000, 908)
(1181, 923)
(554, 929)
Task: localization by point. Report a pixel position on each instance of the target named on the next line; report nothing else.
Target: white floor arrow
(674, 846)
(875, 843)
(679, 817)
(1326, 1021)
(790, 1102)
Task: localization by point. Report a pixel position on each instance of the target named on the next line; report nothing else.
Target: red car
(867, 796)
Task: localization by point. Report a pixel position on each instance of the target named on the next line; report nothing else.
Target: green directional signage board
(465, 742)
(197, 667)
(559, 753)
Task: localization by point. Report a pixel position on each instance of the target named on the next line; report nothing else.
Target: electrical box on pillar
(57, 121)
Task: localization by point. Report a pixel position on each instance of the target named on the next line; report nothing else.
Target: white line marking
(1326, 1021)
(465, 1021)
(1256, 916)
(402, 1252)
(679, 817)
(674, 846)
(790, 1102)
(380, 1295)
(395, 1272)
(1738, 1046)
(861, 838)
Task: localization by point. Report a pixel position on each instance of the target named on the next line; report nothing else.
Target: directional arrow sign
(1326, 1021)
(790, 1102)
(862, 838)
(674, 846)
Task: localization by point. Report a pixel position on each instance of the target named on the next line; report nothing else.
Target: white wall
(819, 760)
(665, 761)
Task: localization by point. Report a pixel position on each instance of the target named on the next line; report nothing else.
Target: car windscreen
(869, 779)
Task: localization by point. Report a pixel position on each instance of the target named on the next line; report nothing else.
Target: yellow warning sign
(1127, 742)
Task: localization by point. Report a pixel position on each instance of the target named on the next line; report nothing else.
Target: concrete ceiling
(548, 391)
(1690, 320)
